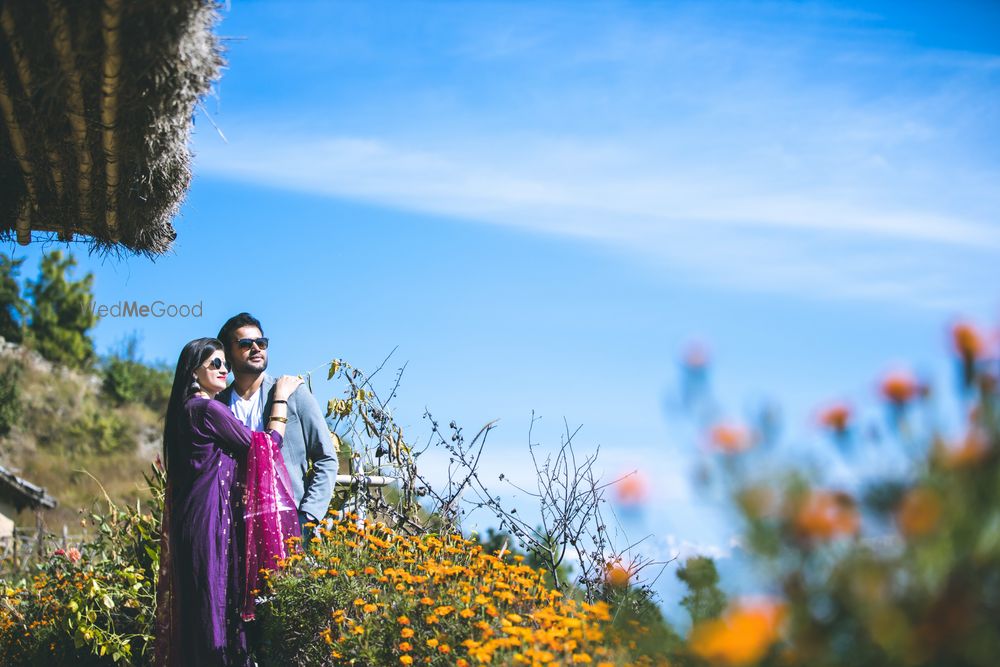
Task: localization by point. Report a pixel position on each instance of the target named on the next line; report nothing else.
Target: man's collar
(265, 386)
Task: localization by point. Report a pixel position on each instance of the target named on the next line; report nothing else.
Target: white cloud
(715, 229)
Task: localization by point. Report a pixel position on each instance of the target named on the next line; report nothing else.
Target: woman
(202, 554)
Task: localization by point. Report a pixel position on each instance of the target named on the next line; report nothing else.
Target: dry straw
(96, 102)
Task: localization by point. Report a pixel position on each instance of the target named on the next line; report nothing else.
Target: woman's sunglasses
(247, 343)
(216, 363)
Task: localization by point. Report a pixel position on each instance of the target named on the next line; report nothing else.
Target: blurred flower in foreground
(919, 512)
(967, 341)
(616, 574)
(632, 490)
(970, 347)
(899, 387)
(742, 636)
(730, 438)
(759, 501)
(972, 449)
(694, 374)
(836, 418)
(824, 515)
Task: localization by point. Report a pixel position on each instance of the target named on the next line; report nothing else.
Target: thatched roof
(96, 105)
(21, 493)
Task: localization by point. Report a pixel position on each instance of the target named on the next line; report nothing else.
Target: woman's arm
(228, 431)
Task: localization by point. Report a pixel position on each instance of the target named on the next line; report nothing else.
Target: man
(307, 437)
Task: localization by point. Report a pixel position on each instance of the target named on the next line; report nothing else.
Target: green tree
(12, 306)
(704, 599)
(61, 313)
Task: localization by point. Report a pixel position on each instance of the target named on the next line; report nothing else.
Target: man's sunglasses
(216, 363)
(247, 343)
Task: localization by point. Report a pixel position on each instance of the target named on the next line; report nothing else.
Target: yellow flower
(406, 660)
(432, 642)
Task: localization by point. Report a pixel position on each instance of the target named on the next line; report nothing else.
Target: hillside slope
(67, 429)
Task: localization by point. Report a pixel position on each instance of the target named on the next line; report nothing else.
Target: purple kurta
(207, 533)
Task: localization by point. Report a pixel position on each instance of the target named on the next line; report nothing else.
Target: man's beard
(249, 368)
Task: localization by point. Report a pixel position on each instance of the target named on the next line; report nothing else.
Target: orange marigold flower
(827, 514)
(616, 575)
(741, 636)
(970, 451)
(405, 646)
(461, 662)
(432, 642)
(444, 648)
(406, 633)
(835, 417)
(730, 438)
(899, 387)
(405, 660)
(967, 341)
(919, 512)
(426, 600)
(632, 490)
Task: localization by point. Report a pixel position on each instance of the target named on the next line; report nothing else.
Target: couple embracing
(247, 465)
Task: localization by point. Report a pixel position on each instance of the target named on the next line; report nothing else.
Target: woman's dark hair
(234, 323)
(192, 356)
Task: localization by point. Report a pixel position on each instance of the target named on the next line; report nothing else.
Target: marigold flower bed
(362, 594)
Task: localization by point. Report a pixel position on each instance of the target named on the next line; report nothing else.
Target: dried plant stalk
(23, 65)
(75, 110)
(111, 15)
(20, 147)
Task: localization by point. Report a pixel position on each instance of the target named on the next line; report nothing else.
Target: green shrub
(99, 431)
(130, 381)
(10, 396)
(92, 606)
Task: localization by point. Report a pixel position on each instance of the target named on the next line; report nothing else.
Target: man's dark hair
(234, 323)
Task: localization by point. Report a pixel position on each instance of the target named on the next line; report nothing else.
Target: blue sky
(540, 203)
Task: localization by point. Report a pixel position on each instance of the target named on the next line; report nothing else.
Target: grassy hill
(64, 426)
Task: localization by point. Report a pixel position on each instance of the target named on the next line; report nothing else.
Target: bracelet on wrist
(283, 420)
(279, 400)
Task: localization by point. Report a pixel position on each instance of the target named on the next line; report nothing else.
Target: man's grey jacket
(307, 438)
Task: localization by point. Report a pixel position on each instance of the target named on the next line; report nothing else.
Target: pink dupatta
(269, 514)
